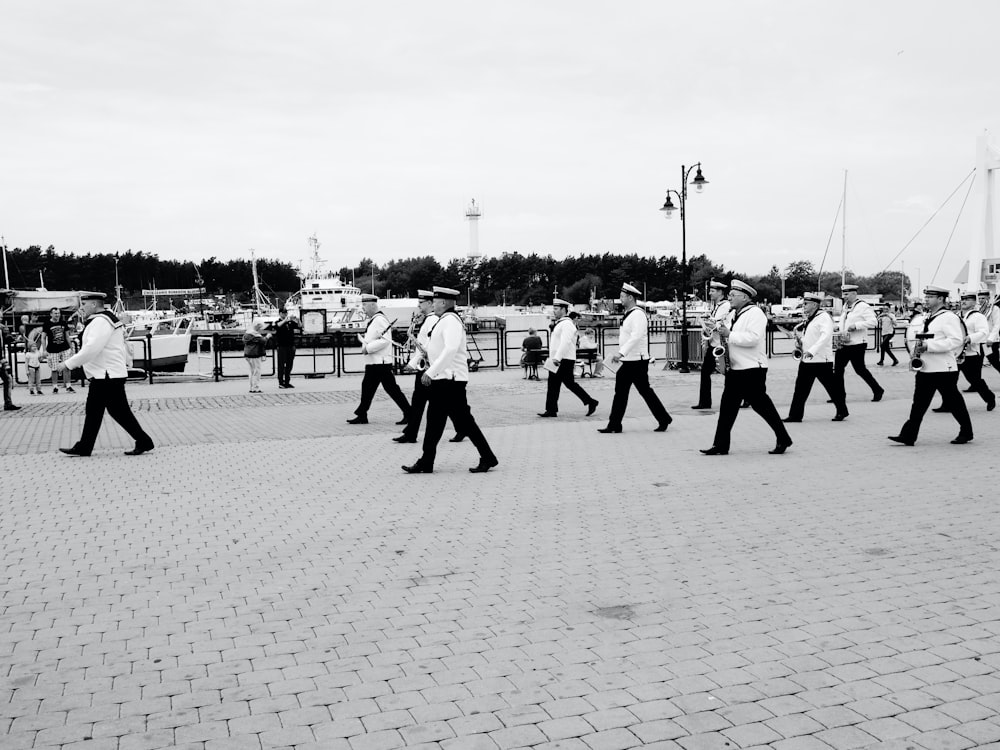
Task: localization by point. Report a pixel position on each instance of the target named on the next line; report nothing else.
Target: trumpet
(916, 363)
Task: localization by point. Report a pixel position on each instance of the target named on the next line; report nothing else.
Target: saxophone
(721, 353)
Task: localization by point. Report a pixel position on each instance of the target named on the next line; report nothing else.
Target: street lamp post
(699, 183)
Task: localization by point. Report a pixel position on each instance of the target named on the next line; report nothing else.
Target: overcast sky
(205, 128)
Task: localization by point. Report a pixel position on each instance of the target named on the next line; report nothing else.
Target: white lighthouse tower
(472, 213)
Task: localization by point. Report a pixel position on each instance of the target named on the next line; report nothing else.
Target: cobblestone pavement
(269, 578)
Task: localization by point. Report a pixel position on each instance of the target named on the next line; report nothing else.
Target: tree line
(511, 278)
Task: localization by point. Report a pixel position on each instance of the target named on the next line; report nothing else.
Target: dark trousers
(886, 350)
(707, 368)
(418, 400)
(972, 369)
(376, 375)
(564, 376)
(108, 394)
(286, 358)
(994, 356)
(809, 373)
(634, 374)
(751, 386)
(5, 377)
(447, 398)
(855, 354)
(925, 384)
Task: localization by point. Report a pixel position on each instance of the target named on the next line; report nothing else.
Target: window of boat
(164, 328)
(183, 324)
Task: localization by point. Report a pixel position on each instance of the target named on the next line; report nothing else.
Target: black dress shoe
(609, 430)
(877, 396)
(662, 426)
(591, 408)
(547, 414)
(901, 439)
(941, 410)
(404, 439)
(962, 440)
(744, 406)
(713, 451)
(990, 406)
(404, 420)
(74, 451)
(485, 464)
(289, 385)
(358, 420)
(969, 390)
(702, 406)
(840, 417)
(10, 407)
(789, 419)
(457, 439)
(418, 468)
(140, 449)
(780, 448)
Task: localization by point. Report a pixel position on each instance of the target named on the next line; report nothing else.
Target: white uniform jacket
(994, 319)
(562, 342)
(979, 330)
(747, 338)
(941, 350)
(862, 317)
(377, 340)
(633, 337)
(103, 354)
(720, 314)
(447, 349)
(817, 339)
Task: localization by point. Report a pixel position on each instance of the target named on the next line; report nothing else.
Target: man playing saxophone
(745, 335)
(710, 336)
(424, 321)
(938, 342)
(978, 328)
(815, 342)
(856, 318)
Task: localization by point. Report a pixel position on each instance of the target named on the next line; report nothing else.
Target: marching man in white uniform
(104, 357)
(977, 331)
(992, 313)
(447, 378)
(720, 312)
(817, 361)
(376, 346)
(856, 319)
(938, 341)
(745, 336)
(633, 354)
(562, 350)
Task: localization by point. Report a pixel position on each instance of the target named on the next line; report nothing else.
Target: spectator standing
(886, 329)
(8, 404)
(254, 342)
(33, 361)
(284, 340)
(57, 344)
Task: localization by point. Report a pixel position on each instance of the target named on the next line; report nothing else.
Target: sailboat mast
(843, 237)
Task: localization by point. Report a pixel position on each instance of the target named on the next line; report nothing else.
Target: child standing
(34, 362)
